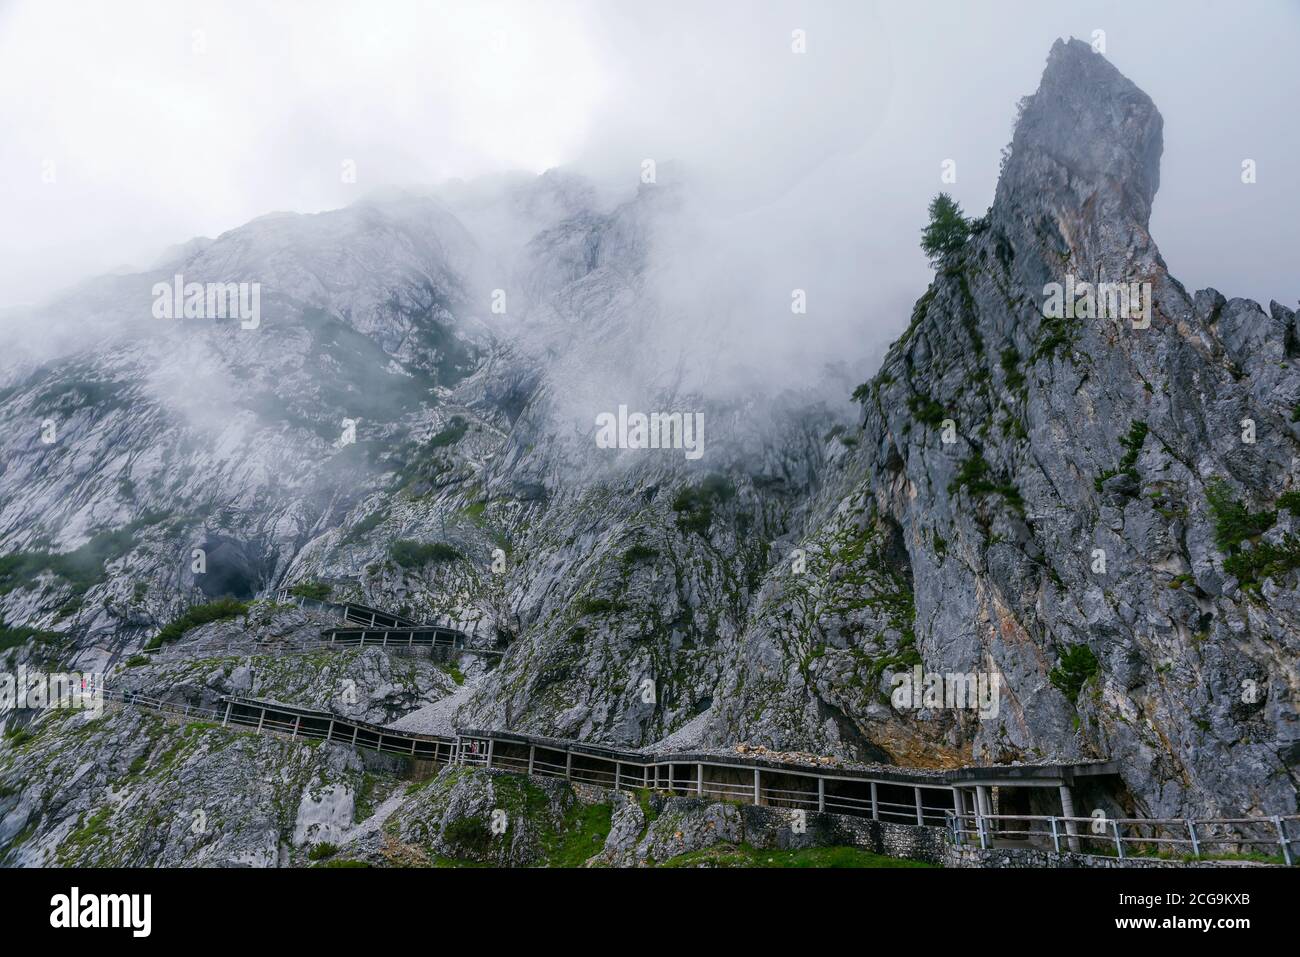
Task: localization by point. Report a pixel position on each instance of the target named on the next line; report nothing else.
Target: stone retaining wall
(970, 855)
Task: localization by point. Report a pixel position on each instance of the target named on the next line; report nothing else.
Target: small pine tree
(947, 230)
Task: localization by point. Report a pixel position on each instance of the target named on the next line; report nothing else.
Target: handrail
(477, 750)
(475, 747)
(367, 619)
(1196, 833)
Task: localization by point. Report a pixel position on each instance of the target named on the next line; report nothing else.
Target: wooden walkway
(365, 626)
(900, 796)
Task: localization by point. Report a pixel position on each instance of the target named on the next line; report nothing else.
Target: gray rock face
(1074, 506)
(133, 790)
(479, 816)
(1091, 510)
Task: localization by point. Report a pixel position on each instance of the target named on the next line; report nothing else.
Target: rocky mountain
(1117, 493)
(1101, 512)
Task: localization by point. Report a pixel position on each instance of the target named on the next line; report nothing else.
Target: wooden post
(491, 742)
(356, 729)
(225, 722)
(297, 723)
(532, 755)
(261, 717)
(821, 794)
(875, 803)
(920, 815)
(618, 773)
(568, 764)
(329, 734)
(699, 780)
(758, 790)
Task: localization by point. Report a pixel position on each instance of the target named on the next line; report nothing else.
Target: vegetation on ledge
(219, 610)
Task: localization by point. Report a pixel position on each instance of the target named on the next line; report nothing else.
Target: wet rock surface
(1075, 505)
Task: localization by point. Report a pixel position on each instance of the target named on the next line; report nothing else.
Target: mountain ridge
(768, 594)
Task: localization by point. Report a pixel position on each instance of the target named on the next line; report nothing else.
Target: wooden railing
(756, 780)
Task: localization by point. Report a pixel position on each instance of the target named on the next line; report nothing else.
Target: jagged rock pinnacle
(1086, 152)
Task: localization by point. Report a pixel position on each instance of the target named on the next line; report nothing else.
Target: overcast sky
(159, 120)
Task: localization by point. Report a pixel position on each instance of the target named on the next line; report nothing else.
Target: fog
(135, 126)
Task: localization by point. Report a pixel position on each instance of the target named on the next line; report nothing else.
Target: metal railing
(1176, 838)
(381, 628)
(1266, 838)
(432, 636)
(348, 611)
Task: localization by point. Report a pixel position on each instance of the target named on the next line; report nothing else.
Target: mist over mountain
(1099, 511)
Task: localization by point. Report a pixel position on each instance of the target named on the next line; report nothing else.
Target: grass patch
(13, 636)
(367, 525)
(321, 851)
(583, 834)
(453, 433)
(640, 553)
(1010, 360)
(976, 476)
(927, 410)
(694, 504)
(743, 855)
(219, 610)
(597, 606)
(83, 567)
(411, 554)
(312, 589)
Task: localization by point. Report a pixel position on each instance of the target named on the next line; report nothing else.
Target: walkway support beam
(1067, 809)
